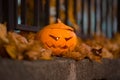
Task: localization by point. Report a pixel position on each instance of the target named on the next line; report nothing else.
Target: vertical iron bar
(112, 15)
(15, 13)
(23, 12)
(75, 10)
(89, 17)
(95, 3)
(5, 10)
(118, 15)
(101, 18)
(41, 13)
(66, 11)
(11, 18)
(106, 18)
(115, 15)
(92, 20)
(1, 12)
(82, 13)
(47, 12)
(98, 19)
(110, 18)
(36, 12)
(85, 16)
(57, 9)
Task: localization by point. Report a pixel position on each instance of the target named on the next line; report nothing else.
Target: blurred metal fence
(92, 16)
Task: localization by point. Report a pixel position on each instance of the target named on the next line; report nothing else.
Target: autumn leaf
(3, 33)
(12, 51)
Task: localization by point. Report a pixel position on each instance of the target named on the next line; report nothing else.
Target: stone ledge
(59, 69)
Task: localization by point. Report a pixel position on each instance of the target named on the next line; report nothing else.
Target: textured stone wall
(59, 69)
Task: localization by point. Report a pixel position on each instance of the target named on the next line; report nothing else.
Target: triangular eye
(68, 38)
(55, 38)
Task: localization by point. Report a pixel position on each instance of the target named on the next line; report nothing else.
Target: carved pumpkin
(58, 37)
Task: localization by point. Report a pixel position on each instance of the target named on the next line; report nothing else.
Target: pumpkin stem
(58, 20)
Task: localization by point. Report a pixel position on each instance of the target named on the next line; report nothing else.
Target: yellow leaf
(3, 33)
(11, 50)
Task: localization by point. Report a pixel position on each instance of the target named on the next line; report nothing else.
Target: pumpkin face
(58, 37)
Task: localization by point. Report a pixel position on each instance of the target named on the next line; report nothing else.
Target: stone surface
(108, 70)
(59, 69)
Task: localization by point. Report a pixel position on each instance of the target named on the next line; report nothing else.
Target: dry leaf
(11, 50)
(35, 51)
(74, 55)
(17, 44)
(3, 33)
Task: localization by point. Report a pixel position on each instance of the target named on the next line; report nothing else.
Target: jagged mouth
(53, 46)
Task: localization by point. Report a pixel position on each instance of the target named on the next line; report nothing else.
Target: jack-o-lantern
(58, 37)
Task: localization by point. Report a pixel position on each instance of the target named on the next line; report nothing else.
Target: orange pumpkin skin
(58, 37)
